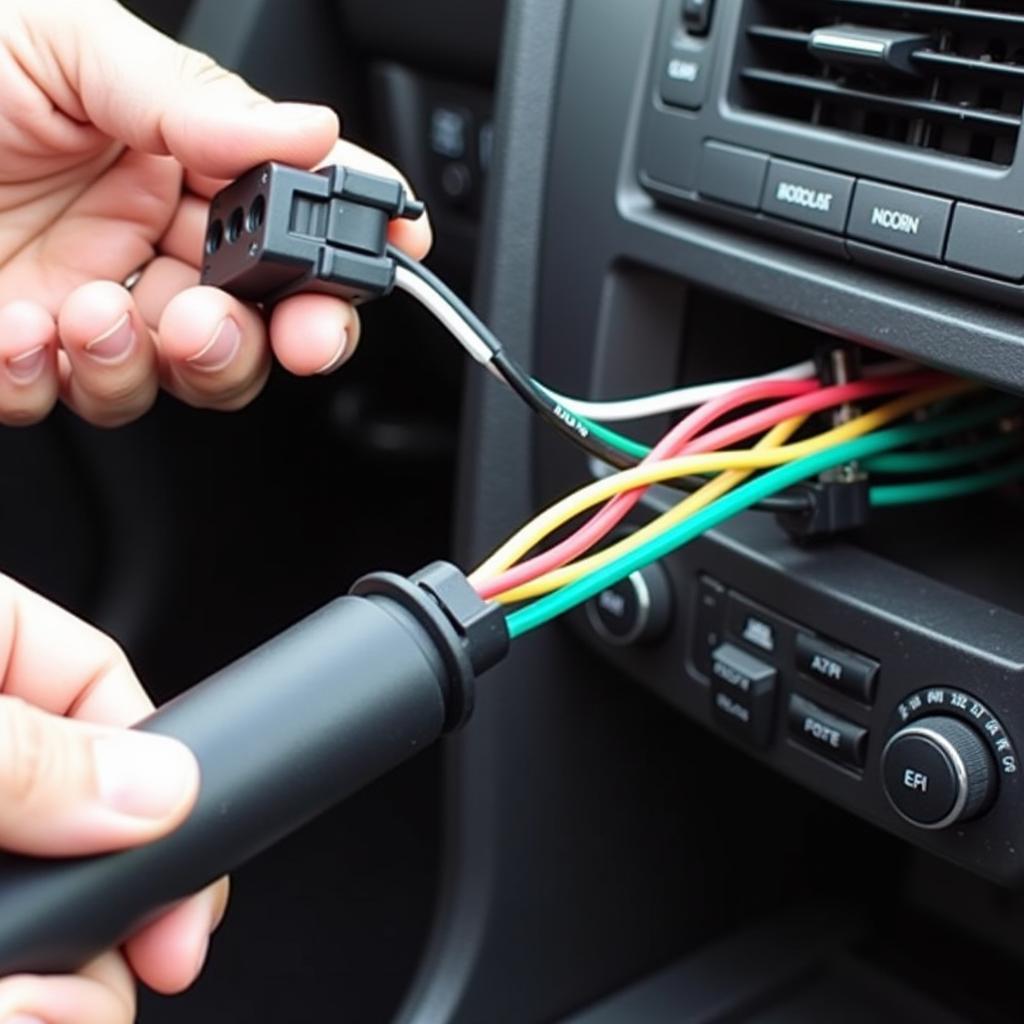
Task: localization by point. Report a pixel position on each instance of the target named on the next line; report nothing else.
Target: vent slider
(884, 49)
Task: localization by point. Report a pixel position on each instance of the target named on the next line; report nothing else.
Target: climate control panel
(890, 694)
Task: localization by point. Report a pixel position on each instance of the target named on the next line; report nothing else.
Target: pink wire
(804, 397)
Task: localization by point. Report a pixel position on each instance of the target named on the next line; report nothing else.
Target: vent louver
(960, 92)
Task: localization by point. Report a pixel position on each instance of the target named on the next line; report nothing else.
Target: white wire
(698, 394)
(681, 398)
(620, 409)
(449, 317)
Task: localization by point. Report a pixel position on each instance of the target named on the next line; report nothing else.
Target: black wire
(487, 336)
(553, 413)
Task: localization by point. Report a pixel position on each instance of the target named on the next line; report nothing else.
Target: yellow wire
(710, 462)
(710, 492)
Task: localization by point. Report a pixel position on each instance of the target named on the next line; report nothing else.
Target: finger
(215, 347)
(150, 92)
(203, 185)
(161, 281)
(412, 236)
(69, 787)
(187, 231)
(55, 661)
(63, 665)
(169, 954)
(114, 374)
(28, 356)
(314, 333)
(103, 993)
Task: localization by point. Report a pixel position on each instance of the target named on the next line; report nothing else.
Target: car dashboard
(770, 778)
(719, 189)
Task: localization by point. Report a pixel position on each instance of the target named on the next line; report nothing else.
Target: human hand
(112, 140)
(74, 781)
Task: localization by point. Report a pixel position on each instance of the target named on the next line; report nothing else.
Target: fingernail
(27, 367)
(204, 949)
(339, 354)
(142, 775)
(115, 345)
(220, 349)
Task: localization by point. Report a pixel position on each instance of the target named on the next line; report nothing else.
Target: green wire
(606, 434)
(951, 487)
(562, 600)
(947, 458)
(615, 439)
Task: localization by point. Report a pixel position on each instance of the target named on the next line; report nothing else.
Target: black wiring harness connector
(839, 500)
(830, 507)
(279, 230)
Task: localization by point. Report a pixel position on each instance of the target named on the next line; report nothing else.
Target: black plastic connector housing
(835, 506)
(279, 230)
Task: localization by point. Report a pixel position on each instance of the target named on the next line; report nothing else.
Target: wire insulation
(910, 463)
(677, 440)
(944, 490)
(413, 284)
(710, 459)
(743, 497)
(644, 406)
(711, 491)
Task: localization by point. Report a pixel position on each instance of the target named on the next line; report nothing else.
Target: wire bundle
(700, 455)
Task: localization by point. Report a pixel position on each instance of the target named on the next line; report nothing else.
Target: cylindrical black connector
(281, 735)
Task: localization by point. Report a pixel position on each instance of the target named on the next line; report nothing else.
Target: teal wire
(615, 439)
(943, 490)
(909, 463)
(562, 600)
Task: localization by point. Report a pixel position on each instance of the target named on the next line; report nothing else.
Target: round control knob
(938, 771)
(636, 610)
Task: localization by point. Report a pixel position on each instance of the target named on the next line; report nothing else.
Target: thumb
(155, 95)
(69, 787)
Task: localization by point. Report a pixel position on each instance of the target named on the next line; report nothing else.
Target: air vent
(949, 77)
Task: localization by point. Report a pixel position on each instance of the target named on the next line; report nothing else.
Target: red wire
(806, 397)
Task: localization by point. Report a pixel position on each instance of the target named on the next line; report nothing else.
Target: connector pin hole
(235, 226)
(214, 237)
(257, 212)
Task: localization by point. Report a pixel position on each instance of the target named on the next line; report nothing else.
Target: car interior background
(635, 196)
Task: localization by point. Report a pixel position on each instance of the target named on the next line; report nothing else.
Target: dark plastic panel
(669, 138)
(726, 121)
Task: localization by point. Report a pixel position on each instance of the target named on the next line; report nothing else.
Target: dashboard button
(807, 195)
(732, 175)
(842, 669)
(683, 78)
(635, 610)
(456, 182)
(697, 16)
(826, 733)
(988, 241)
(449, 132)
(743, 693)
(753, 624)
(899, 219)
